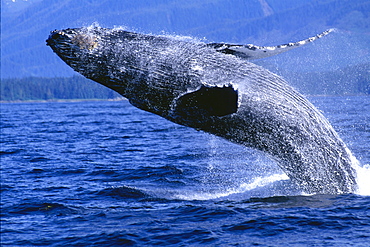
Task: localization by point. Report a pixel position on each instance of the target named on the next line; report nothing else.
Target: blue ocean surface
(107, 174)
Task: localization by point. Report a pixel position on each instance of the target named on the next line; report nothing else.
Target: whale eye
(212, 101)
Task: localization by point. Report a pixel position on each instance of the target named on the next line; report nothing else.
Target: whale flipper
(251, 52)
(209, 101)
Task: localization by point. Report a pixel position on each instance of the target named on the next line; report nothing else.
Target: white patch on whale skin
(85, 41)
(197, 68)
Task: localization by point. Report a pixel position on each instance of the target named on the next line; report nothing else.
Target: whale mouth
(59, 37)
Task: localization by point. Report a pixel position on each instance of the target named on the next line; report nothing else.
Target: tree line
(353, 80)
(59, 88)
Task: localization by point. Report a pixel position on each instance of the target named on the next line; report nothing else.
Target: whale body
(214, 88)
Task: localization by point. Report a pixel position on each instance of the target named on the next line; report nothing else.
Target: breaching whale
(214, 88)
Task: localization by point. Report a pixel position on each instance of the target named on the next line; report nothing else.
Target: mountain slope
(263, 22)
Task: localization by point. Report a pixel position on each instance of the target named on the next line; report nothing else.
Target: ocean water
(107, 174)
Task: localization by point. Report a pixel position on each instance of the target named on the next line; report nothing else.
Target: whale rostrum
(213, 88)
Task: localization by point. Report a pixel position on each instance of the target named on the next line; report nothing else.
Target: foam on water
(258, 182)
(363, 180)
(362, 177)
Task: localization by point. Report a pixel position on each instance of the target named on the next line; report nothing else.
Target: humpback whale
(214, 88)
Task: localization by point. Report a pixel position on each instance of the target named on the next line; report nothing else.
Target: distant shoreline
(59, 100)
(124, 99)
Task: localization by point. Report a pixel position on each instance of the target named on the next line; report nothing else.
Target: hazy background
(336, 64)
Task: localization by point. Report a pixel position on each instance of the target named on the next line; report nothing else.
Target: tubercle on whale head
(69, 43)
(82, 40)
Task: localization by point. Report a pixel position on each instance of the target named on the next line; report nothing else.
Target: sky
(16, 5)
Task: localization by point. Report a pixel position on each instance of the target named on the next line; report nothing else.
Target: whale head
(155, 73)
(83, 50)
(112, 58)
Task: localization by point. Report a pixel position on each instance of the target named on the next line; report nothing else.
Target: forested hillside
(36, 88)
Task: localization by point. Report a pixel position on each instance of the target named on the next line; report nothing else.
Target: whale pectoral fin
(251, 52)
(208, 101)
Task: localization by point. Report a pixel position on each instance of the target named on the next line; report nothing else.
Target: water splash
(362, 177)
(363, 181)
(258, 182)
